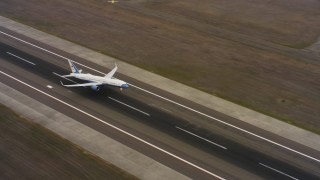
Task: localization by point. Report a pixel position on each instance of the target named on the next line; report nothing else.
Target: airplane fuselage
(103, 80)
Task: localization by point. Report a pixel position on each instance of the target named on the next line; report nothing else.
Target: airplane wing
(111, 73)
(71, 75)
(82, 85)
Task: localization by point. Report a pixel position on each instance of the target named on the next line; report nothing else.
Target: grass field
(214, 46)
(29, 151)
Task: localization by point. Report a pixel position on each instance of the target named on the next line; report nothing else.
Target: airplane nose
(125, 86)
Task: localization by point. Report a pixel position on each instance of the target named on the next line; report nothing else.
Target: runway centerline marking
(181, 105)
(201, 138)
(228, 124)
(21, 58)
(129, 106)
(114, 127)
(278, 171)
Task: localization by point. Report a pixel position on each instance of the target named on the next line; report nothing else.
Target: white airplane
(95, 82)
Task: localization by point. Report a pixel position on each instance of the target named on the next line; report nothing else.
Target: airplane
(95, 82)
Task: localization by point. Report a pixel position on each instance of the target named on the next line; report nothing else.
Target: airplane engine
(95, 88)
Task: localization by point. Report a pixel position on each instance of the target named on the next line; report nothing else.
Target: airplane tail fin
(73, 67)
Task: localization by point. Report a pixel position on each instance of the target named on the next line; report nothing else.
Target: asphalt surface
(219, 149)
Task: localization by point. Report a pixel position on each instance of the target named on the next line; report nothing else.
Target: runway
(155, 123)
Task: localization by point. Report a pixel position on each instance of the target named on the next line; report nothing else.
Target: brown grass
(280, 21)
(28, 151)
(201, 45)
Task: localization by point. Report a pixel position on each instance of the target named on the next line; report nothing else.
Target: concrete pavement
(244, 114)
(106, 148)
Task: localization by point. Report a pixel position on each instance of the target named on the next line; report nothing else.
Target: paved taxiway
(225, 151)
